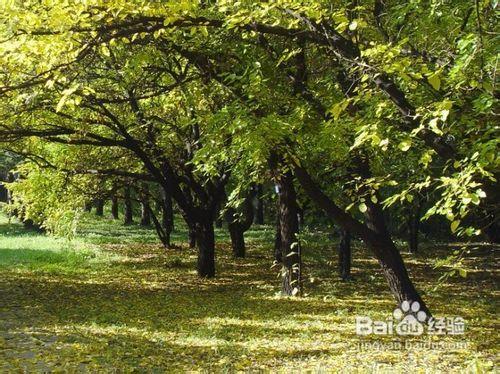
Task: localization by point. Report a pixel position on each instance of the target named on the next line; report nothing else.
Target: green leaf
(435, 81)
(362, 207)
(454, 225)
(405, 145)
(433, 124)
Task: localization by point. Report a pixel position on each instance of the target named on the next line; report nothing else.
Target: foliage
(47, 197)
(420, 83)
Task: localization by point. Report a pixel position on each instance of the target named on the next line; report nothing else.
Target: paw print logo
(411, 318)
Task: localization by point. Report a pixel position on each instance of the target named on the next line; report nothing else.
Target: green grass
(29, 250)
(114, 300)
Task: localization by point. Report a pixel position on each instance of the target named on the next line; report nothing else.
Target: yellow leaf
(105, 50)
(435, 81)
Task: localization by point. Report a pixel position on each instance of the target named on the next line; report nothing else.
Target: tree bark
(160, 230)
(88, 207)
(99, 207)
(145, 207)
(277, 238)
(259, 206)
(10, 179)
(239, 225)
(167, 217)
(237, 240)
(114, 206)
(3, 193)
(205, 239)
(191, 233)
(218, 218)
(289, 229)
(395, 272)
(492, 230)
(345, 255)
(413, 227)
(301, 215)
(491, 210)
(128, 210)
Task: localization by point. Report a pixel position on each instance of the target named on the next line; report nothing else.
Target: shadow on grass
(150, 311)
(16, 229)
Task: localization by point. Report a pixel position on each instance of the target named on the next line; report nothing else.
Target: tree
(319, 86)
(145, 207)
(128, 210)
(99, 207)
(114, 206)
(259, 205)
(344, 251)
(238, 223)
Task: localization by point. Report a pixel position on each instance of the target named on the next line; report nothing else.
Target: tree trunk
(301, 215)
(191, 233)
(492, 231)
(413, 227)
(3, 193)
(160, 230)
(239, 225)
(218, 223)
(289, 229)
(88, 207)
(218, 218)
(277, 238)
(127, 202)
(237, 240)
(167, 217)
(491, 212)
(145, 216)
(114, 207)
(145, 207)
(389, 258)
(376, 238)
(205, 240)
(395, 272)
(345, 255)
(259, 206)
(10, 213)
(99, 207)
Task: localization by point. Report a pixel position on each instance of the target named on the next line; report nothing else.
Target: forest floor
(113, 300)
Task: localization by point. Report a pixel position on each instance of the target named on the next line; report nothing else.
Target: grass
(113, 300)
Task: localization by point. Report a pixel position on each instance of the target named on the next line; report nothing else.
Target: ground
(112, 299)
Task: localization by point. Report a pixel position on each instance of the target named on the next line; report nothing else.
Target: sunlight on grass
(136, 306)
(21, 249)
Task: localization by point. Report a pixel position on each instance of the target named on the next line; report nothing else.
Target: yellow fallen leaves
(138, 307)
